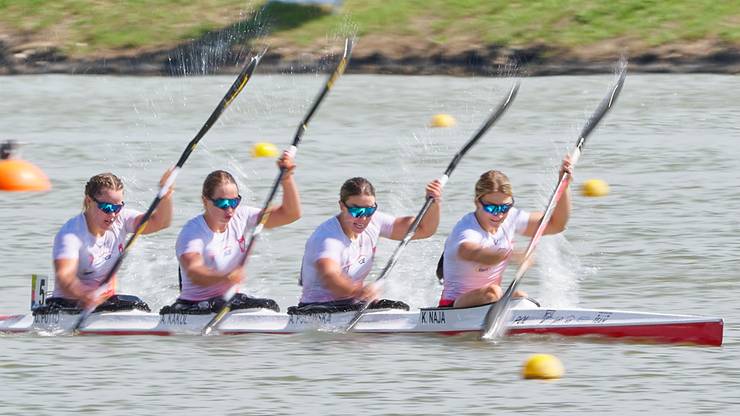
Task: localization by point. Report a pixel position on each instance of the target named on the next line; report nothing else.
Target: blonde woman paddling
(481, 244)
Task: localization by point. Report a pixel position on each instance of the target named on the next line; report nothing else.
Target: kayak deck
(525, 318)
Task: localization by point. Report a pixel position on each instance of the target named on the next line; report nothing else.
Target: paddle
(265, 213)
(493, 324)
(234, 90)
(502, 107)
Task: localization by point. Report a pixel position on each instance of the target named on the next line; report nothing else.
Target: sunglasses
(108, 207)
(226, 203)
(358, 212)
(496, 209)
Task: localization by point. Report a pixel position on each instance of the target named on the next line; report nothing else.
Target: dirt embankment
(374, 54)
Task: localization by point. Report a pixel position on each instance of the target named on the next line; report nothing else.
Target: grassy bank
(554, 22)
(453, 37)
(82, 27)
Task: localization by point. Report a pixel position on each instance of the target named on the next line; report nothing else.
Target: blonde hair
(102, 181)
(216, 179)
(493, 181)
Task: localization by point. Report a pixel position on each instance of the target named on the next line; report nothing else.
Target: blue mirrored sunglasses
(496, 209)
(108, 207)
(226, 203)
(358, 212)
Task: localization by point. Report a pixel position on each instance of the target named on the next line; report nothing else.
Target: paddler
(340, 252)
(87, 246)
(211, 246)
(481, 244)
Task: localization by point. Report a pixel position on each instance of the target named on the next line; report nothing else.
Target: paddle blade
(211, 325)
(81, 320)
(494, 324)
(604, 106)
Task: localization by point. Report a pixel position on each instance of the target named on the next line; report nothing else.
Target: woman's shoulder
(328, 232)
(129, 212)
(517, 214)
(382, 217)
(329, 228)
(467, 221)
(127, 216)
(194, 224)
(74, 225)
(247, 209)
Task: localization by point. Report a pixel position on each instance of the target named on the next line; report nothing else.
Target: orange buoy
(19, 175)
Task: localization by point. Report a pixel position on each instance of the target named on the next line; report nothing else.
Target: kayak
(526, 317)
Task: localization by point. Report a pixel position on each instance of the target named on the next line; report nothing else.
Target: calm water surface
(666, 239)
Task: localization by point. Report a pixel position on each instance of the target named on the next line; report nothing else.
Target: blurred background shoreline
(409, 37)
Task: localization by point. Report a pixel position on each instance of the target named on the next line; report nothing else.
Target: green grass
(556, 22)
(87, 25)
(81, 27)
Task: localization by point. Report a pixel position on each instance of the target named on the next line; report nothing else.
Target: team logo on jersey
(242, 245)
(120, 248)
(362, 260)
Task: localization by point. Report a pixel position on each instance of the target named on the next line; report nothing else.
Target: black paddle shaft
(265, 213)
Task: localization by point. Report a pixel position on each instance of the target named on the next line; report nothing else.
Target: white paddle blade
(496, 322)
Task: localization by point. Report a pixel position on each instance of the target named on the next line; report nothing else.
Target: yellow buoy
(595, 187)
(543, 366)
(19, 175)
(264, 150)
(443, 120)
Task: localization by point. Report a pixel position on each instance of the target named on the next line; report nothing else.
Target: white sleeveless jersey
(355, 257)
(95, 255)
(221, 251)
(462, 276)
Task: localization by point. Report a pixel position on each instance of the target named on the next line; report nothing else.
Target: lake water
(666, 239)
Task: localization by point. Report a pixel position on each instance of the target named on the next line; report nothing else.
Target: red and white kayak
(525, 318)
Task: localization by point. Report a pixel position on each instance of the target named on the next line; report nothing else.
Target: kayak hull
(525, 318)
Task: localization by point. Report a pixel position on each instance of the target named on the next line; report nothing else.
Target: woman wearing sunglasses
(480, 245)
(340, 252)
(212, 245)
(87, 246)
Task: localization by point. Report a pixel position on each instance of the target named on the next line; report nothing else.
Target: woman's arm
(290, 209)
(65, 271)
(162, 217)
(202, 275)
(470, 251)
(430, 222)
(561, 214)
(338, 283)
